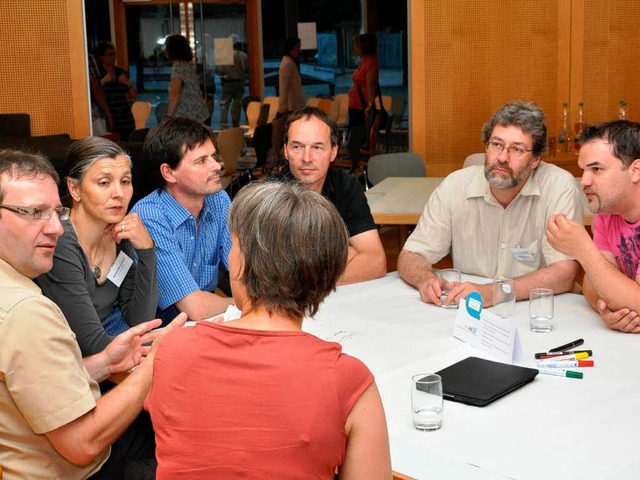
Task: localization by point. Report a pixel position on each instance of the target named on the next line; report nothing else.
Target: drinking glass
(504, 297)
(541, 310)
(449, 275)
(426, 401)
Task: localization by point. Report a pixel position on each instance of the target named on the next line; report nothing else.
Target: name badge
(119, 269)
(522, 254)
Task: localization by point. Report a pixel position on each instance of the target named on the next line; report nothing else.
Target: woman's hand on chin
(132, 229)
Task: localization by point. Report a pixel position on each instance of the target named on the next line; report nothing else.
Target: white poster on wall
(307, 34)
(224, 51)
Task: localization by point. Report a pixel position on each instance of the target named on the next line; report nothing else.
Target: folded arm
(366, 260)
(199, 305)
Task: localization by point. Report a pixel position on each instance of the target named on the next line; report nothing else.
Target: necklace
(95, 266)
(97, 271)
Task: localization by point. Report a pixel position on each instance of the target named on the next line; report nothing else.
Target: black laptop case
(476, 381)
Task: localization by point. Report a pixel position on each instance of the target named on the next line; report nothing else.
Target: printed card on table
(487, 331)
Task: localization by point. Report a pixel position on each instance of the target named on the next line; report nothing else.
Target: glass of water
(451, 276)
(541, 310)
(504, 297)
(426, 401)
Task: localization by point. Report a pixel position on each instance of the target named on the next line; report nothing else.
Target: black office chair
(15, 125)
(138, 135)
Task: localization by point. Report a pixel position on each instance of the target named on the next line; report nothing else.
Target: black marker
(559, 354)
(567, 346)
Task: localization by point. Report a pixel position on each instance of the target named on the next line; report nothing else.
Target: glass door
(203, 23)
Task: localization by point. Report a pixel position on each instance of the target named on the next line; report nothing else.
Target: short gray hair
(526, 115)
(294, 243)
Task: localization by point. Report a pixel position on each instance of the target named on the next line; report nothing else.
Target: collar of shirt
(15, 277)
(176, 212)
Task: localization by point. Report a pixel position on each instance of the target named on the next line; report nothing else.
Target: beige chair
(474, 159)
(141, 111)
(273, 103)
(334, 111)
(314, 102)
(253, 115)
(387, 101)
(229, 146)
(326, 104)
(342, 102)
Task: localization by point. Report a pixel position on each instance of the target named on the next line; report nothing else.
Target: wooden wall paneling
(43, 65)
(577, 59)
(477, 56)
(611, 48)
(79, 71)
(564, 65)
(120, 39)
(418, 63)
(254, 47)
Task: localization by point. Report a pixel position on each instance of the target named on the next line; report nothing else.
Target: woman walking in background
(185, 96)
(290, 92)
(365, 80)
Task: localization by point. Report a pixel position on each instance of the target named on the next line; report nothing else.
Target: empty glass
(541, 310)
(504, 297)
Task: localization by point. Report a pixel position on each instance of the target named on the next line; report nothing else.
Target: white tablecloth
(553, 427)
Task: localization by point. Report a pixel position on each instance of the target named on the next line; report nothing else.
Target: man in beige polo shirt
(53, 421)
(492, 219)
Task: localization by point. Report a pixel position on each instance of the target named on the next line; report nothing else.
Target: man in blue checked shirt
(187, 218)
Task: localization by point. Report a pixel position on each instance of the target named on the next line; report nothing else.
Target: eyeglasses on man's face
(39, 213)
(514, 151)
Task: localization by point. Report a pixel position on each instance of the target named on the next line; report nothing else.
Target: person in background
(101, 118)
(186, 217)
(53, 421)
(290, 92)
(185, 96)
(492, 219)
(118, 90)
(362, 93)
(101, 239)
(311, 144)
(319, 410)
(232, 78)
(610, 160)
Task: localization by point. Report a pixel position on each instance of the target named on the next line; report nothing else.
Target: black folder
(476, 381)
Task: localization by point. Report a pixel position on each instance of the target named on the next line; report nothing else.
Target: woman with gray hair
(104, 266)
(257, 397)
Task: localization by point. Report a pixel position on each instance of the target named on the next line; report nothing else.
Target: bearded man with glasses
(492, 219)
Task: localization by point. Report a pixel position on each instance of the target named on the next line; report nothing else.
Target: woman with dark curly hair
(185, 96)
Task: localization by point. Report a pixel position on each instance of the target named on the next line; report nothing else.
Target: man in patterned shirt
(187, 218)
(610, 160)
